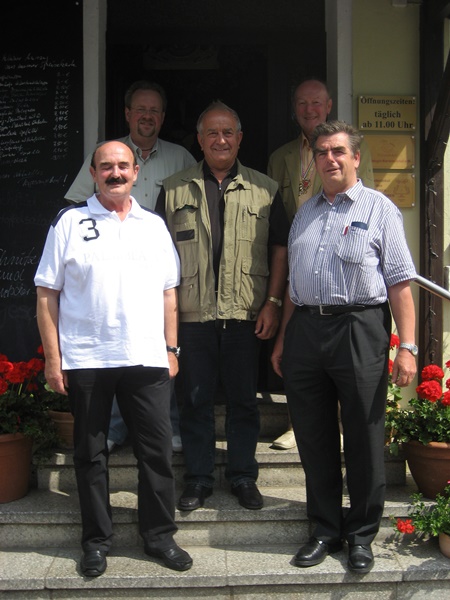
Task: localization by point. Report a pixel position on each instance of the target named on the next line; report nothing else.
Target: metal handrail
(435, 289)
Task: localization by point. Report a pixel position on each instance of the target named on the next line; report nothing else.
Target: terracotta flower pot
(429, 465)
(64, 425)
(15, 466)
(444, 544)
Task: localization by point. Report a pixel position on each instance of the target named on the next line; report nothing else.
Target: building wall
(446, 346)
(386, 47)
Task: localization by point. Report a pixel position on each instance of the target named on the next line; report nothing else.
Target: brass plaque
(387, 113)
(392, 151)
(398, 187)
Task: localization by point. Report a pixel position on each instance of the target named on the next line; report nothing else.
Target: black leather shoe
(248, 495)
(315, 552)
(93, 563)
(360, 558)
(174, 557)
(193, 496)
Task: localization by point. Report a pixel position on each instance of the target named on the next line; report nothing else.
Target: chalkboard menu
(41, 151)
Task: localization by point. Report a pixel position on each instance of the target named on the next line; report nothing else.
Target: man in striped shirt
(349, 267)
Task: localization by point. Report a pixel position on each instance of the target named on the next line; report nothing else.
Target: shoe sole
(362, 571)
(171, 565)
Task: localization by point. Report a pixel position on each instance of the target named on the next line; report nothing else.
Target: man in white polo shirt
(145, 111)
(107, 315)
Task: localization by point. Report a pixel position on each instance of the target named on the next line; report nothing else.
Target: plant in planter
(423, 430)
(21, 407)
(428, 518)
(25, 427)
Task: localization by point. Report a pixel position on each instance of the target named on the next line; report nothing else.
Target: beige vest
(244, 266)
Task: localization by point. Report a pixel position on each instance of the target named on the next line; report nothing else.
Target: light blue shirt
(348, 251)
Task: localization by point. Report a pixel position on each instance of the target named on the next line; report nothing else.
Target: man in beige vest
(292, 166)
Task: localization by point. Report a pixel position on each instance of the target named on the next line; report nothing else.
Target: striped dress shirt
(348, 251)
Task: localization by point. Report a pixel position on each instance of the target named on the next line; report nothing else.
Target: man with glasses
(145, 110)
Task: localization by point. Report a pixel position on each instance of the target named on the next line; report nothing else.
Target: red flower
(5, 365)
(429, 390)
(446, 399)
(395, 341)
(390, 365)
(405, 526)
(35, 365)
(432, 372)
(3, 386)
(447, 364)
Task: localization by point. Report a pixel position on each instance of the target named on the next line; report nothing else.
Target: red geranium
(405, 526)
(431, 372)
(429, 390)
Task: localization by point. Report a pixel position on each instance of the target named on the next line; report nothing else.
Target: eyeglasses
(143, 111)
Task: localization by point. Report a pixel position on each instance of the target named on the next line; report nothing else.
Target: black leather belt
(335, 309)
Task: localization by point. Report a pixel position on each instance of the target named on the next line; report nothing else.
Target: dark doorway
(249, 54)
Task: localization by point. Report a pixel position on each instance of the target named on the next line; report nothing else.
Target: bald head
(312, 105)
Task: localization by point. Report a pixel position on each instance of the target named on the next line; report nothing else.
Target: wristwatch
(411, 347)
(276, 301)
(176, 350)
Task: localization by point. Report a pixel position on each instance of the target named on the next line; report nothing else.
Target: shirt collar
(138, 151)
(231, 173)
(97, 208)
(352, 193)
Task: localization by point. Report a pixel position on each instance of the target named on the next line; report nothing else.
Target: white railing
(435, 289)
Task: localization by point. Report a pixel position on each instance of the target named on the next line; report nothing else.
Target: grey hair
(333, 127)
(218, 105)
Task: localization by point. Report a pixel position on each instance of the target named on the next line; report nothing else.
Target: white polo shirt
(112, 275)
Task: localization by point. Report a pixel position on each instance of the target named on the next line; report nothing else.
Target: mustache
(112, 180)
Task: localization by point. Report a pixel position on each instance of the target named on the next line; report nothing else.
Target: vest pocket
(255, 223)
(255, 276)
(188, 293)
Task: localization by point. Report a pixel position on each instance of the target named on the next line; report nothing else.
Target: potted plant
(25, 427)
(428, 518)
(423, 430)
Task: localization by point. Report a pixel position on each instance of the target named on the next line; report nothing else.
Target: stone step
(276, 468)
(221, 572)
(49, 518)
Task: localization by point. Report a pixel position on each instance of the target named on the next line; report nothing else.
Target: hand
(277, 355)
(56, 378)
(404, 368)
(268, 321)
(173, 365)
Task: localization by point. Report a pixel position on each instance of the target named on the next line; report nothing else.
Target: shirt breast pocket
(353, 245)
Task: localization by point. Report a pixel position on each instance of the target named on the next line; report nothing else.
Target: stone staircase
(238, 554)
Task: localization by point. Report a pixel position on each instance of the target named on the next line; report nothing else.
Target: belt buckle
(322, 312)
